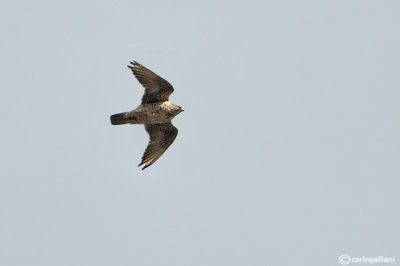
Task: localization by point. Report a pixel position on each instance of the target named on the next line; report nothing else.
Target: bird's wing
(157, 88)
(161, 137)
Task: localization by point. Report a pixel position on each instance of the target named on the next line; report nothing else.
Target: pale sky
(287, 153)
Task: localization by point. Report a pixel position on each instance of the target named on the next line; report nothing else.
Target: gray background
(287, 153)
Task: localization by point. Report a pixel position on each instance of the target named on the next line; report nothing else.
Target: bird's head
(177, 110)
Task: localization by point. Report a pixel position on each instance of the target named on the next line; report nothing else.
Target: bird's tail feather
(119, 119)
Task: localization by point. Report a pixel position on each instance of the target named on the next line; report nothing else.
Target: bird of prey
(155, 113)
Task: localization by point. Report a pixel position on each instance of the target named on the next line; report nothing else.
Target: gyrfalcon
(155, 113)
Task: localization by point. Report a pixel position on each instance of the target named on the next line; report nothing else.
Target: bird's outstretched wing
(161, 137)
(157, 88)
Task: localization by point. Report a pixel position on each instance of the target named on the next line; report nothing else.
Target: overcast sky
(287, 153)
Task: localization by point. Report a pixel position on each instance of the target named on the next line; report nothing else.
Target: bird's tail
(119, 119)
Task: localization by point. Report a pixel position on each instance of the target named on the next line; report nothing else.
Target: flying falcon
(155, 113)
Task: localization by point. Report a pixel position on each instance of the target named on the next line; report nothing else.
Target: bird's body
(149, 113)
(155, 113)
